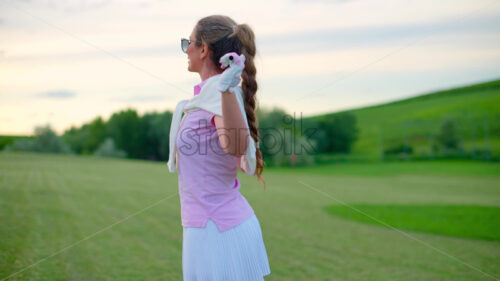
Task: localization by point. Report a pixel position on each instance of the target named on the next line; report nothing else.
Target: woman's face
(194, 54)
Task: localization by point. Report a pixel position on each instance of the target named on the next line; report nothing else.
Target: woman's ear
(204, 50)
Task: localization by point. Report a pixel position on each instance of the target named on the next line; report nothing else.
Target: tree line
(126, 134)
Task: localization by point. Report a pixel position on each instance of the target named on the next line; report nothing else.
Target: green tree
(108, 149)
(334, 133)
(45, 140)
(157, 127)
(75, 138)
(97, 133)
(129, 132)
(270, 125)
(448, 137)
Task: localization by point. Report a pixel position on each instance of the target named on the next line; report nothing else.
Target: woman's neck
(206, 73)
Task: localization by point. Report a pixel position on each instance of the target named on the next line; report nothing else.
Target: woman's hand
(231, 76)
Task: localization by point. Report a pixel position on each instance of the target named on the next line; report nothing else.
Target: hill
(417, 120)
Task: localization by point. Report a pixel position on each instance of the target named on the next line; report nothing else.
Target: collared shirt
(208, 183)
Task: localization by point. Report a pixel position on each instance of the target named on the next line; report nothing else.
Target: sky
(64, 63)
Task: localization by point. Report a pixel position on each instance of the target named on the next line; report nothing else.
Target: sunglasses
(185, 44)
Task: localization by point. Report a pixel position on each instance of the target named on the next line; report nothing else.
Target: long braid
(249, 87)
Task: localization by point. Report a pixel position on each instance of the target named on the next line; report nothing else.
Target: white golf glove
(231, 77)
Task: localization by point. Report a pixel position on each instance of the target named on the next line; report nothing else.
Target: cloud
(305, 41)
(330, 39)
(57, 94)
(102, 53)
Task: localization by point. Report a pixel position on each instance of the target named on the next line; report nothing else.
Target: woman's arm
(231, 127)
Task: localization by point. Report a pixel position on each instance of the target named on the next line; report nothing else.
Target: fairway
(83, 218)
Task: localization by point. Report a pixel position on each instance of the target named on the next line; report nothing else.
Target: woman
(222, 238)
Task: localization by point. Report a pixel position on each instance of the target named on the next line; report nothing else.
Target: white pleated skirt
(237, 254)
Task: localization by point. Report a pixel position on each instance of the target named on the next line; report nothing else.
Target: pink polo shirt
(208, 183)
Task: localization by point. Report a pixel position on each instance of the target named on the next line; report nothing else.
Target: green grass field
(82, 218)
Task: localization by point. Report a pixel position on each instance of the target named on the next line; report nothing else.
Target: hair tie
(234, 28)
(257, 144)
